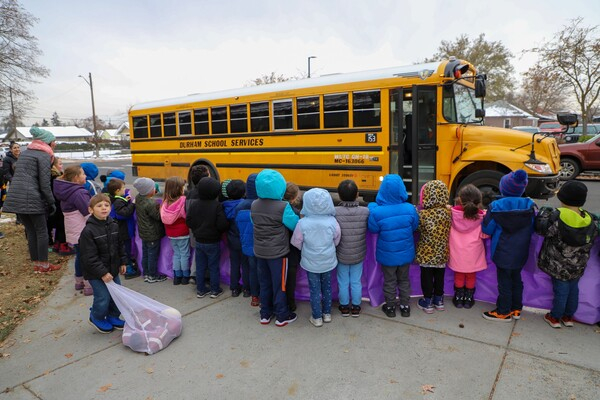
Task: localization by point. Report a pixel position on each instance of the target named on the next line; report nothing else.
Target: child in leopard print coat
(432, 248)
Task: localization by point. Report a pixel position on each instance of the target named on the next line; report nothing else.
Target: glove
(52, 209)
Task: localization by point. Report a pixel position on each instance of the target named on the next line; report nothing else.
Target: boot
(469, 300)
(459, 295)
(79, 283)
(87, 288)
(425, 304)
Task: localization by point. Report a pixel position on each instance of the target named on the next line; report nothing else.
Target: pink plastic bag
(149, 325)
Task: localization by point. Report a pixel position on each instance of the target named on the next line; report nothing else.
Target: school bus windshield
(460, 103)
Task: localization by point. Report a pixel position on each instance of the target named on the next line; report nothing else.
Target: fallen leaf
(393, 381)
(516, 334)
(427, 389)
(69, 355)
(4, 355)
(149, 370)
(220, 376)
(105, 388)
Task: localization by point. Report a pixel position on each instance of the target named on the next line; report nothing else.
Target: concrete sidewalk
(224, 353)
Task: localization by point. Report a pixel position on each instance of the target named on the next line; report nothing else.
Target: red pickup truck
(578, 157)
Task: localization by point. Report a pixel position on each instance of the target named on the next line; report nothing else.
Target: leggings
(464, 279)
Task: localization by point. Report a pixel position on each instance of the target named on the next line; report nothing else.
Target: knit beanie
(573, 193)
(236, 189)
(42, 134)
(513, 184)
(144, 186)
(224, 188)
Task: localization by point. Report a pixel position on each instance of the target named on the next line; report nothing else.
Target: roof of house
(58, 131)
(502, 108)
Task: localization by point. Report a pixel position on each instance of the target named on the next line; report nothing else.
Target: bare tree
(574, 52)
(543, 91)
(492, 58)
(270, 78)
(19, 54)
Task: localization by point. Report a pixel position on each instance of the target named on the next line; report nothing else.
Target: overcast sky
(139, 51)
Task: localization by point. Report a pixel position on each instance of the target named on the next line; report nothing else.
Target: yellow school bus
(422, 122)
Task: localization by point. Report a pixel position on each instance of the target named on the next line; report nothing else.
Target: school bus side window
(448, 106)
(282, 115)
(201, 121)
(170, 128)
(238, 118)
(307, 109)
(185, 122)
(140, 127)
(219, 119)
(155, 126)
(367, 108)
(335, 110)
(259, 117)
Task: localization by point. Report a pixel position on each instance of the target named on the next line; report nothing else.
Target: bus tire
(487, 181)
(569, 169)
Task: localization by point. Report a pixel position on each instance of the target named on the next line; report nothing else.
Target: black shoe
(185, 280)
(345, 310)
(390, 311)
(202, 295)
(177, 280)
(355, 311)
(214, 295)
(246, 293)
(160, 278)
(192, 279)
(235, 292)
(405, 311)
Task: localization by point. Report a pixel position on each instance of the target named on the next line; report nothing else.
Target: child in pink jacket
(172, 214)
(467, 250)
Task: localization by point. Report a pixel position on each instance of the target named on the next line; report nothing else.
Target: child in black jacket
(102, 259)
(122, 212)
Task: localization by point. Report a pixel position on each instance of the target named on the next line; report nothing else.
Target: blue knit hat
(513, 184)
(42, 134)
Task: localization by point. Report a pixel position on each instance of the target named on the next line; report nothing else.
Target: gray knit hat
(144, 186)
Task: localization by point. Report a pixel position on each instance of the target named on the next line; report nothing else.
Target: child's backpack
(571, 236)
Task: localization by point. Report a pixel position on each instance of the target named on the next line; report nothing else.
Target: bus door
(400, 135)
(423, 137)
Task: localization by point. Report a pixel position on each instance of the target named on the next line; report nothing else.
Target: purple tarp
(537, 291)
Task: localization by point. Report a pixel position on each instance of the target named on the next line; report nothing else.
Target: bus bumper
(542, 187)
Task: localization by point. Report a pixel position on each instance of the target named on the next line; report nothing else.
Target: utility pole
(96, 139)
(13, 133)
(309, 64)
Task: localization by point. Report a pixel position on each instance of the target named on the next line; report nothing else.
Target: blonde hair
(72, 172)
(173, 189)
(99, 198)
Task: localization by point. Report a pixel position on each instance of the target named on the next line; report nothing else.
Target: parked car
(552, 127)
(3, 151)
(574, 137)
(526, 128)
(579, 157)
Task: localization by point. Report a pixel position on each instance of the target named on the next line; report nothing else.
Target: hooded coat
(173, 216)
(317, 234)
(242, 217)
(100, 249)
(434, 224)
(8, 166)
(394, 220)
(91, 173)
(74, 203)
(467, 250)
(205, 215)
(353, 223)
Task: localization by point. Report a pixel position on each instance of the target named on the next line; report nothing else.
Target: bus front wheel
(488, 182)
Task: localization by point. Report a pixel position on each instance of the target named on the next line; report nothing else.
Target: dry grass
(21, 291)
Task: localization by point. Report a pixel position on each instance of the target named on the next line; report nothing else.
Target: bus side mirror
(480, 86)
(567, 118)
(479, 113)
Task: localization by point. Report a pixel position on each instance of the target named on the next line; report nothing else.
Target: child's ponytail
(470, 199)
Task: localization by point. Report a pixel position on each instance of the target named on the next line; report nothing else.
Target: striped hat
(513, 184)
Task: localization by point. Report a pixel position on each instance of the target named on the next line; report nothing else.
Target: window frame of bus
(155, 129)
(259, 114)
(184, 122)
(238, 118)
(359, 113)
(169, 124)
(286, 119)
(306, 120)
(140, 131)
(200, 122)
(335, 114)
(221, 124)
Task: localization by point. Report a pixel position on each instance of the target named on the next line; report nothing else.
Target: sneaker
(246, 293)
(290, 318)
(201, 295)
(214, 295)
(116, 322)
(185, 280)
(49, 268)
(515, 314)
(266, 320)
(553, 322)
(327, 318)
(65, 250)
(236, 292)
(318, 322)
(102, 326)
(355, 311)
(567, 321)
(146, 278)
(345, 310)
(426, 305)
(494, 315)
(438, 303)
(153, 278)
(255, 302)
(177, 280)
(159, 278)
(79, 283)
(405, 311)
(390, 311)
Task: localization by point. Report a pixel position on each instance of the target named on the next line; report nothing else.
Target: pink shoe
(79, 283)
(87, 289)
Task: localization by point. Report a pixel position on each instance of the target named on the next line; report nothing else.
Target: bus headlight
(540, 168)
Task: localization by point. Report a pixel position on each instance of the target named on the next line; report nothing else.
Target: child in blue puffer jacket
(317, 235)
(394, 220)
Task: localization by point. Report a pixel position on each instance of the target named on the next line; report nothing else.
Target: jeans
(319, 285)
(566, 298)
(432, 281)
(237, 259)
(510, 290)
(396, 276)
(78, 271)
(36, 229)
(271, 276)
(208, 256)
(150, 252)
(253, 276)
(181, 256)
(103, 304)
(349, 275)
